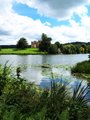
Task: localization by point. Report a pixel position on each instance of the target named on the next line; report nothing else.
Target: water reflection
(21, 59)
(42, 76)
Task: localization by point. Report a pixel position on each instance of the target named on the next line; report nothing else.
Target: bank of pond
(82, 69)
(23, 100)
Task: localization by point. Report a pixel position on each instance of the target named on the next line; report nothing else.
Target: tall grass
(22, 100)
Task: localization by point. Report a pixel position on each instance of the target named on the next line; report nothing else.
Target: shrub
(82, 67)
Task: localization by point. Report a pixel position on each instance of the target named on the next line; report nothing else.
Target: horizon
(63, 21)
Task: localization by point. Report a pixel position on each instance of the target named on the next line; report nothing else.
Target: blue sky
(25, 10)
(64, 21)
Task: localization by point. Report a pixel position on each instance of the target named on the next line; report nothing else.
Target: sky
(62, 20)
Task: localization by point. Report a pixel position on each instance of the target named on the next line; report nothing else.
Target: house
(35, 44)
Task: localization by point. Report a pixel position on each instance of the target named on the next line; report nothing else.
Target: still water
(60, 66)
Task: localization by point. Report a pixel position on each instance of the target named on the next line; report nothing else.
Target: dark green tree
(85, 47)
(45, 43)
(53, 49)
(58, 44)
(88, 47)
(22, 43)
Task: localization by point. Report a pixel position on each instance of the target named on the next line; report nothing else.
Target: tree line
(58, 48)
(45, 45)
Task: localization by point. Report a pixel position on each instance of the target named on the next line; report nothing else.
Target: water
(59, 66)
(40, 75)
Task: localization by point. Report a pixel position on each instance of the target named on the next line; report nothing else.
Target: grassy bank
(22, 100)
(32, 51)
(82, 69)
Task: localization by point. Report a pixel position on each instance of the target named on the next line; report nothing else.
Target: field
(32, 51)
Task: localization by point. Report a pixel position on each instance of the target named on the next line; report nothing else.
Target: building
(35, 44)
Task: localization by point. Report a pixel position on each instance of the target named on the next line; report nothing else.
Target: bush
(21, 100)
(53, 49)
(82, 67)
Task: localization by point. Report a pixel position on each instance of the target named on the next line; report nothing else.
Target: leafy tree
(22, 43)
(82, 50)
(66, 49)
(53, 49)
(45, 43)
(85, 47)
(88, 48)
(58, 44)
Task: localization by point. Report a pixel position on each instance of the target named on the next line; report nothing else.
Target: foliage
(44, 43)
(57, 101)
(82, 67)
(0, 48)
(22, 100)
(22, 43)
(58, 44)
(53, 49)
(88, 48)
(78, 102)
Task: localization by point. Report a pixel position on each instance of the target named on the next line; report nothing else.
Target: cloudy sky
(63, 20)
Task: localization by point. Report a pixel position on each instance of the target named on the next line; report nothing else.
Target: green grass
(33, 51)
(82, 70)
(82, 67)
(23, 100)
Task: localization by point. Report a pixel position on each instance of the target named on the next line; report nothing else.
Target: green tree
(82, 50)
(58, 44)
(22, 43)
(85, 47)
(88, 48)
(53, 49)
(44, 43)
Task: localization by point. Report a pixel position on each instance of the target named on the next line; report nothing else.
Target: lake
(59, 66)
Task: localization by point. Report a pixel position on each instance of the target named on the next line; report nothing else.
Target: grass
(32, 51)
(82, 70)
(82, 67)
(23, 100)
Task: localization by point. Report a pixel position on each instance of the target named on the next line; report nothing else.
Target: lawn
(32, 51)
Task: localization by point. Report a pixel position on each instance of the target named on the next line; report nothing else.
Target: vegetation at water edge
(23, 100)
(45, 46)
(82, 67)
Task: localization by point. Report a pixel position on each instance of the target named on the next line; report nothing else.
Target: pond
(34, 71)
(39, 68)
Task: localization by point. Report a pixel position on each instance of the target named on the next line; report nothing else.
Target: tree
(53, 49)
(58, 44)
(22, 43)
(44, 43)
(85, 47)
(82, 50)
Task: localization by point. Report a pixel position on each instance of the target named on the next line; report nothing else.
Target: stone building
(35, 44)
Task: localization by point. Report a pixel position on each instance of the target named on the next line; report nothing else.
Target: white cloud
(13, 26)
(60, 9)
